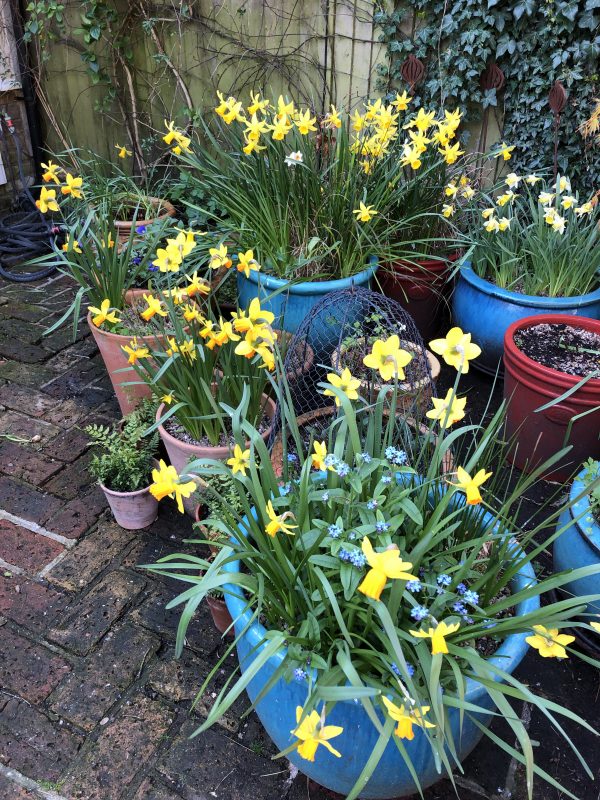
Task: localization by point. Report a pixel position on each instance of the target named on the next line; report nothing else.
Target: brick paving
(93, 705)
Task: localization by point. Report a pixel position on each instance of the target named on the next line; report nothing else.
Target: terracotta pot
(123, 227)
(422, 288)
(180, 452)
(529, 385)
(110, 344)
(220, 614)
(132, 510)
(409, 397)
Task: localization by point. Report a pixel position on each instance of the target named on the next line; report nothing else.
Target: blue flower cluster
(397, 457)
(334, 531)
(300, 675)
(354, 557)
(396, 669)
(419, 613)
(381, 526)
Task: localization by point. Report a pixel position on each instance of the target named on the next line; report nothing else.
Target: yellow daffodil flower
(154, 307)
(388, 358)
(448, 410)
(196, 285)
(183, 243)
(595, 626)
(47, 200)
(254, 128)
(586, 208)
(448, 210)
(258, 339)
(304, 122)
(192, 313)
(166, 483)
(256, 104)
(423, 121)
(280, 128)
(384, 566)
(492, 225)
(167, 399)
(401, 101)
(135, 351)
(505, 198)
(185, 348)
(468, 192)
(470, 485)
(123, 151)
(51, 172)
(177, 295)
(285, 109)
(419, 141)
(110, 242)
(512, 180)
(564, 184)
(252, 146)
(312, 732)
(219, 257)
(549, 642)
(346, 382)
(247, 263)
(504, 223)
(549, 214)
(568, 201)
(437, 636)
(71, 245)
(558, 223)
(103, 314)
(545, 198)
(488, 212)
(407, 718)
(240, 461)
(456, 349)
(319, 456)
(182, 141)
(505, 151)
(410, 157)
(332, 119)
(358, 121)
(277, 522)
(451, 189)
(451, 153)
(364, 213)
(221, 334)
(168, 259)
(532, 179)
(255, 315)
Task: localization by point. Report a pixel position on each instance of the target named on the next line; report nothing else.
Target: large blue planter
(485, 311)
(392, 778)
(579, 545)
(292, 302)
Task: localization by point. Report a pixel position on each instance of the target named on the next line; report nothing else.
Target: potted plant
(552, 386)
(536, 251)
(380, 611)
(122, 464)
(578, 543)
(317, 197)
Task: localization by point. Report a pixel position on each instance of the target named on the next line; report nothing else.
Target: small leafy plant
(124, 463)
(590, 480)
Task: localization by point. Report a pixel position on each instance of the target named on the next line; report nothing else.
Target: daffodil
(564, 184)
(196, 286)
(505, 198)
(123, 151)
(586, 208)
(364, 213)
(345, 382)
(410, 157)
(388, 358)
(549, 642)
(401, 101)
(173, 135)
(470, 485)
(505, 151)
(384, 566)
(568, 201)
(532, 179)
(448, 410)
(285, 109)
(358, 121)
(304, 122)
(191, 313)
(488, 212)
(407, 718)
(219, 257)
(319, 456)
(332, 118)
(168, 259)
(437, 636)
(423, 121)
(451, 153)
(183, 243)
(166, 483)
(277, 522)
(456, 349)
(451, 189)
(492, 225)
(109, 243)
(154, 306)
(280, 128)
(448, 210)
(468, 192)
(512, 180)
(294, 158)
(247, 263)
(558, 223)
(312, 732)
(254, 128)
(545, 198)
(257, 104)
(71, 245)
(504, 223)
(51, 172)
(47, 200)
(251, 146)
(240, 461)
(186, 348)
(167, 399)
(549, 214)
(135, 351)
(103, 314)
(255, 315)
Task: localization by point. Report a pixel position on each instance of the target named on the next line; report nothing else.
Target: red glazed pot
(529, 385)
(422, 288)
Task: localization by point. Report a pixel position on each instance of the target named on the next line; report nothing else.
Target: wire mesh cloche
(340, 332)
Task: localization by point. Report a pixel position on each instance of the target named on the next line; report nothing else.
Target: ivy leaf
(489, 98)
(524, 7)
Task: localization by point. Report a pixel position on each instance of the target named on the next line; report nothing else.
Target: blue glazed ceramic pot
(486, 311)
(579, 545)
(292, 302)
(392, 778)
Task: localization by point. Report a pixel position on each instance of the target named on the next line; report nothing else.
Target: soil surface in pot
(177, 430)
(565, 348)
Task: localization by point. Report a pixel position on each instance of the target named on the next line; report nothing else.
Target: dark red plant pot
(220, 614)
(529, 385)
(422, 288)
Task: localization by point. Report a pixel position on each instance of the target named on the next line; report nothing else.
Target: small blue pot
(392, 778)
(579, 545)
(486, 311)
(292, 302)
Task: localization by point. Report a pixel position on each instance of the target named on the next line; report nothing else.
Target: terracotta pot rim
(168, 211)
(146, 338)
(530, 366)
(113, 493)
(218, 450)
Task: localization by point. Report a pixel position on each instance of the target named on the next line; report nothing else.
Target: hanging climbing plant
(534, 43)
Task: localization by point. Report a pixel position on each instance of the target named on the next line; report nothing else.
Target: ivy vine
(534, 43)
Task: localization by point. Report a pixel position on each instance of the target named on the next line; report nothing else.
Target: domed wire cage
(339, 332)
